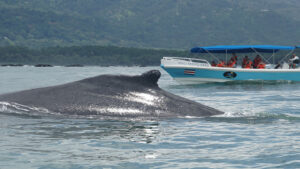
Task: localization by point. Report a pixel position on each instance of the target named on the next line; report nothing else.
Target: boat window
(199, 61)
(185, 59)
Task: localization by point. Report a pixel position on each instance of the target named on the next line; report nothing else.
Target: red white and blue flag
(189, 71)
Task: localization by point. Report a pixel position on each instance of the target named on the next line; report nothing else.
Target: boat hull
(217, 74)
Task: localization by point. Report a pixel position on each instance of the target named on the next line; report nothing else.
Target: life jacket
(231, 63)
(248, 65)
(256, 62)
(261, 66)
(221, 64)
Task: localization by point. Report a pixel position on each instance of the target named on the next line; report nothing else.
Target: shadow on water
(58, 128)
(144, 132)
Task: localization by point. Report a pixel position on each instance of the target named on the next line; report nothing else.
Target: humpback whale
(111, 96)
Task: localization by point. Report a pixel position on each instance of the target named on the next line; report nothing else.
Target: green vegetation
(102, 55)
(86, 55)
(148, 24)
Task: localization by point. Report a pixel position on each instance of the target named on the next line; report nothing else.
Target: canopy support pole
(226, 55)
(287, 55)
(212, 55)
(272, 56)
(260, 55)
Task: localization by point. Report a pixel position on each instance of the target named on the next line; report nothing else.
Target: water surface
(260, 128)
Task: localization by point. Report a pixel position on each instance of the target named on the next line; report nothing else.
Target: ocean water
(260, 127)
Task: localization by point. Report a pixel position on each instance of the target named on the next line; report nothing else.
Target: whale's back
(111, 95)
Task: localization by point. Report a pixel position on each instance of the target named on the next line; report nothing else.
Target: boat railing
(185, 61)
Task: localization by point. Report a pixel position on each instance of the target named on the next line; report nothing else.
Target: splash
(255, 117)
(19, 109)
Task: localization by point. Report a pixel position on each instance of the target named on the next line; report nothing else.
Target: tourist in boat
(231, 63)
(248, 64)
(233, 58)
(294, 61)
(261, 65)
(221, 64)
(213, 63)
(256, 61)
(245, 60)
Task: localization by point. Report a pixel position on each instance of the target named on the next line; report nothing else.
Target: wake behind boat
(192, 70)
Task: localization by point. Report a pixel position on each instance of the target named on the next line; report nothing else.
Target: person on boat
(221, 64)
(231, 63)
(233, 57)
(213, 63)
(294, 61)
(261, 65)
(248, 65)
(256, 61)
(245, 60)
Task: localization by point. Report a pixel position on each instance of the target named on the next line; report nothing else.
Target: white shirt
(294, 58)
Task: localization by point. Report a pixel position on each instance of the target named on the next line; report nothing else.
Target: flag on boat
(189, 71)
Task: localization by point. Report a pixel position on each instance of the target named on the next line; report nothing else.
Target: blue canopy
(241, 49)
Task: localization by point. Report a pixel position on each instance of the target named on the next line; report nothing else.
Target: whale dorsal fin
(151, 76)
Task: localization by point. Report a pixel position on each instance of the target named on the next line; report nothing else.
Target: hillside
(141, 23)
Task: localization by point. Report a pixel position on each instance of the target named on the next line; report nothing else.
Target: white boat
(192, 70)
